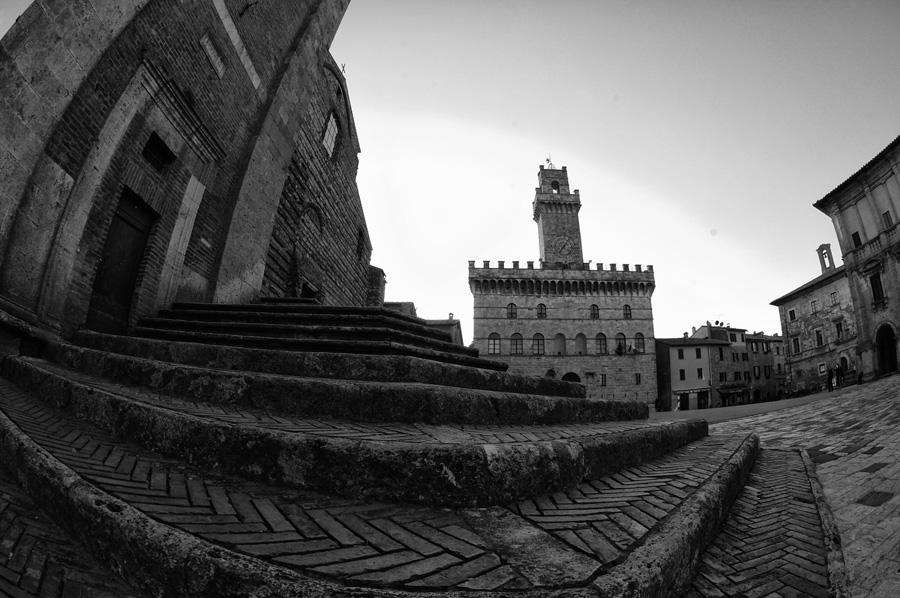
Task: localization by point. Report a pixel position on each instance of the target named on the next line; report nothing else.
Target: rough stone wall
(227, 87)
(803, 367)
(568, 296)
(858, 205)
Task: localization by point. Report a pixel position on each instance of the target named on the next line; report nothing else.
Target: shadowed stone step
(455, 465)
(180, 530)
(383, 368)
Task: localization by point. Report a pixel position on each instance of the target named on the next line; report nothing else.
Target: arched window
(627, 311)
(620, 344)
(639, 343)
(571, 377)
(600, 343)
(559, 344)
(511, 311)
(595, 312)
(515, 344)
(554, 187)
(494, 344)
(537, 344)
(542, 310)
(581, 344)
(329, 137)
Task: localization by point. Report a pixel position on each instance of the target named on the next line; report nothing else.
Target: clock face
(563, 245)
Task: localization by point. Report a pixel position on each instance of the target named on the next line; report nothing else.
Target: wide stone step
(345, 366)
(355, 400)
(445, 464)
(780, 538)
(319, 318)
(179, 529)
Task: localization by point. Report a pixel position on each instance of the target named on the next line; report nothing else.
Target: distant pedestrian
(840, 375)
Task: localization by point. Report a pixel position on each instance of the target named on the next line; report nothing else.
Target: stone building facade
(685, 376)
(865, 211)
(768, 375)
(561, 318)
(818, 321)
(153, 151)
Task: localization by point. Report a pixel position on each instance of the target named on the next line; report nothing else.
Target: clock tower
(556, 213)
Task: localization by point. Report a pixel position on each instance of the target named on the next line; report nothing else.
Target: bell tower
(556, 213)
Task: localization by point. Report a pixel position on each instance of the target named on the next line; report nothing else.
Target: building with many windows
(561, 318)
(684, 368)
(865, 211)
(819, 326)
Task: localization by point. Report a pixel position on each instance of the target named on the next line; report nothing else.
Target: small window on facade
(839, 330)
(627, 311)
(834, 298)
(747, 375)
(888, 221)
(554, 187)
(157, 153)
(511, 311)
(559, 344)
(595, 312)
(821, 368)
(778, 367)
(515, 344)
(723, 377)
(329, 138)
(756, 371)
(699, 373)
(721, 354)
(682, 374)
(698, 353)
(745, 357)
(602, 379)
(620, 344)
(600, 344)
(637, 378)
(792, 315)
(732, 337)
(680, 353)
(494, 344)
(856, 240)
(795, 342)
(820, 340)
(813, 306)
(542, 310)
(537, 344)
(580, 344)
(737, 375)
(735, 357)
(639, 343)
(877, 289)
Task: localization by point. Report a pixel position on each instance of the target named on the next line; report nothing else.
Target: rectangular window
(637, 378)
(723, 377)
(777, 350)
(747, 375)
(735, 357)
(756, 371)
(494, 346)
(856, 240)
(681, 374)
(157, 153)
(721, 354)
(796, 345)
(834, 298)
(792, 315)
(778, 366)
(732, 337)
(888, 221)
(737, 376)
(329, 139)
(699, 373)
(821, 368)
(877, 289)
(745, 357)
(813, 306)
(768, 371)
(820, 340)
(680, 353)
(698, 353)
(516, 345)
(537, 346)
(602, 379)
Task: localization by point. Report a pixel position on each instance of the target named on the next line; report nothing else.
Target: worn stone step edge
(470, 474)
(347, 366)
(319, 345)
(316, 332)
(167, 562)
(283, 305)
(664, 564)
(323, 320)
(344, 399)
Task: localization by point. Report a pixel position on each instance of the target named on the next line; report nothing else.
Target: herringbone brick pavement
(38, 560)
(606, 518)
(359, 542)
(772, 543)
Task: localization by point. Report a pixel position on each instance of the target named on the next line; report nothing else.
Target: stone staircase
(264, 450)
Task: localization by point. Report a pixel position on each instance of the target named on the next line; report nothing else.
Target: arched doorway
(571, 377)
(886, 346)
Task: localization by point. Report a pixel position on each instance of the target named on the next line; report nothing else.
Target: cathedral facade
(561, 318)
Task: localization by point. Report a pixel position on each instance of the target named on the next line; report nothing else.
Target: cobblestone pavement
(571, 535)
(853, 436)
(37, 559)
(772, 543)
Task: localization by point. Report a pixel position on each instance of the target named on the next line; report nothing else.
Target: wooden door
(118, 272)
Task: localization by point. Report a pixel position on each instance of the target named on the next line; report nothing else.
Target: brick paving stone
(37, 559)
(754, 555)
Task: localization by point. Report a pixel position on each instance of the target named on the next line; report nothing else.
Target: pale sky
(699, 134)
